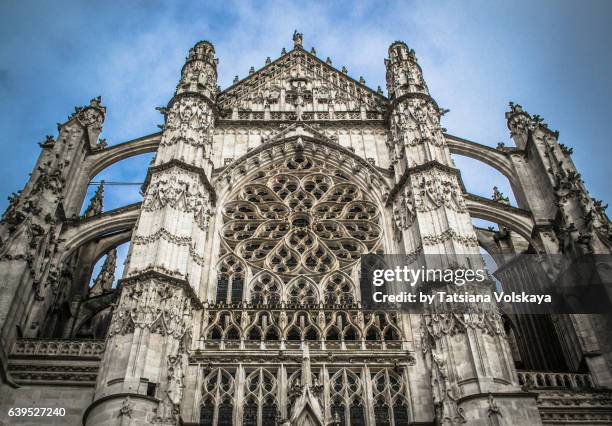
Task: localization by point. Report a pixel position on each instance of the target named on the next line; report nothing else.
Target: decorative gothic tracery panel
(260, 406)
(218, 396)
(347, 403)
(390, 404)
(301, 229)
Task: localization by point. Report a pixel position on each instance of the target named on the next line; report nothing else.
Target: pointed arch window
(217, 405)
(230, 279)
(347, 398)
(260, 407)
(390, 405)
(298, 221)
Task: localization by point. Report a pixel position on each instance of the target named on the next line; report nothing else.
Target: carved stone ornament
(162, 308)
(435, 188)
(92, 116)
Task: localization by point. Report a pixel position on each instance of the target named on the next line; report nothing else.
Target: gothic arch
(311, 144)
(300, 218)
(100, 160)
(513, 218)
(490, 156)
(82, 231)
(338, 288)
(264, 288)
(105, 158)
(302, 291)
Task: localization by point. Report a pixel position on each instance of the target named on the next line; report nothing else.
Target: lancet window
(260, 406)
(218, 392)
(346, 396)
(230, 280)
(390, 405)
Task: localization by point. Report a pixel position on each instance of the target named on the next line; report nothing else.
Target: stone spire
(106, 277)
(96, 203)
(404, 75)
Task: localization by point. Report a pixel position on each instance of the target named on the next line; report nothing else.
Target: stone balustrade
(543, 380)
(58, 348)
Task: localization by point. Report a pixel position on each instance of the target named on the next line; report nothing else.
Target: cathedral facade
(240, 301)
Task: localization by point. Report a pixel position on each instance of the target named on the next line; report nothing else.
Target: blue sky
(552, 57)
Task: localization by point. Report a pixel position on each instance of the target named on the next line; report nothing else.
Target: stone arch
(485, 154)
(101, 160)
(337, 287)
(303, 288)
(85, 242)
(313, 145)
(513, 218)
(253, 193)
(265, 288)
(113, 221)
(107, 157)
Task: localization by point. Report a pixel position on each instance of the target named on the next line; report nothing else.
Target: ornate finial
(251, 70)
(284, 51)
(344, 70)
(499, 196)
(236, 79)
(48, 143)
(268, 61)
(361, 79)
(313, 51)
(297, 39)
(328, 61)
(106, 277)
(96, 202)
(379, 90)
(96, 102)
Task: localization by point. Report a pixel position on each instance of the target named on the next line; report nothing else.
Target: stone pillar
(466, 356)
(149, 335)
(30, 226)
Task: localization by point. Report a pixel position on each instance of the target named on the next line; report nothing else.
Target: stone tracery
(301, 220)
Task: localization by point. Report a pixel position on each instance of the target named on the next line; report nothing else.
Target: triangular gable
(299, 78)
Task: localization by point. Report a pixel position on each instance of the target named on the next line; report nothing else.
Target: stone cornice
(185, 166)
(388, 357)
(212, 104)
(422, 167)
(150, 274)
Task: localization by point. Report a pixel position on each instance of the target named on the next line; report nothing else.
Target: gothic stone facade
(239, 303)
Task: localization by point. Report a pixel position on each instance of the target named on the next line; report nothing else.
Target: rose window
(299, 220)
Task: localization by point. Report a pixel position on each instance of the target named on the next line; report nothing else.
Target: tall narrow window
(217, 406)
(230, 279)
